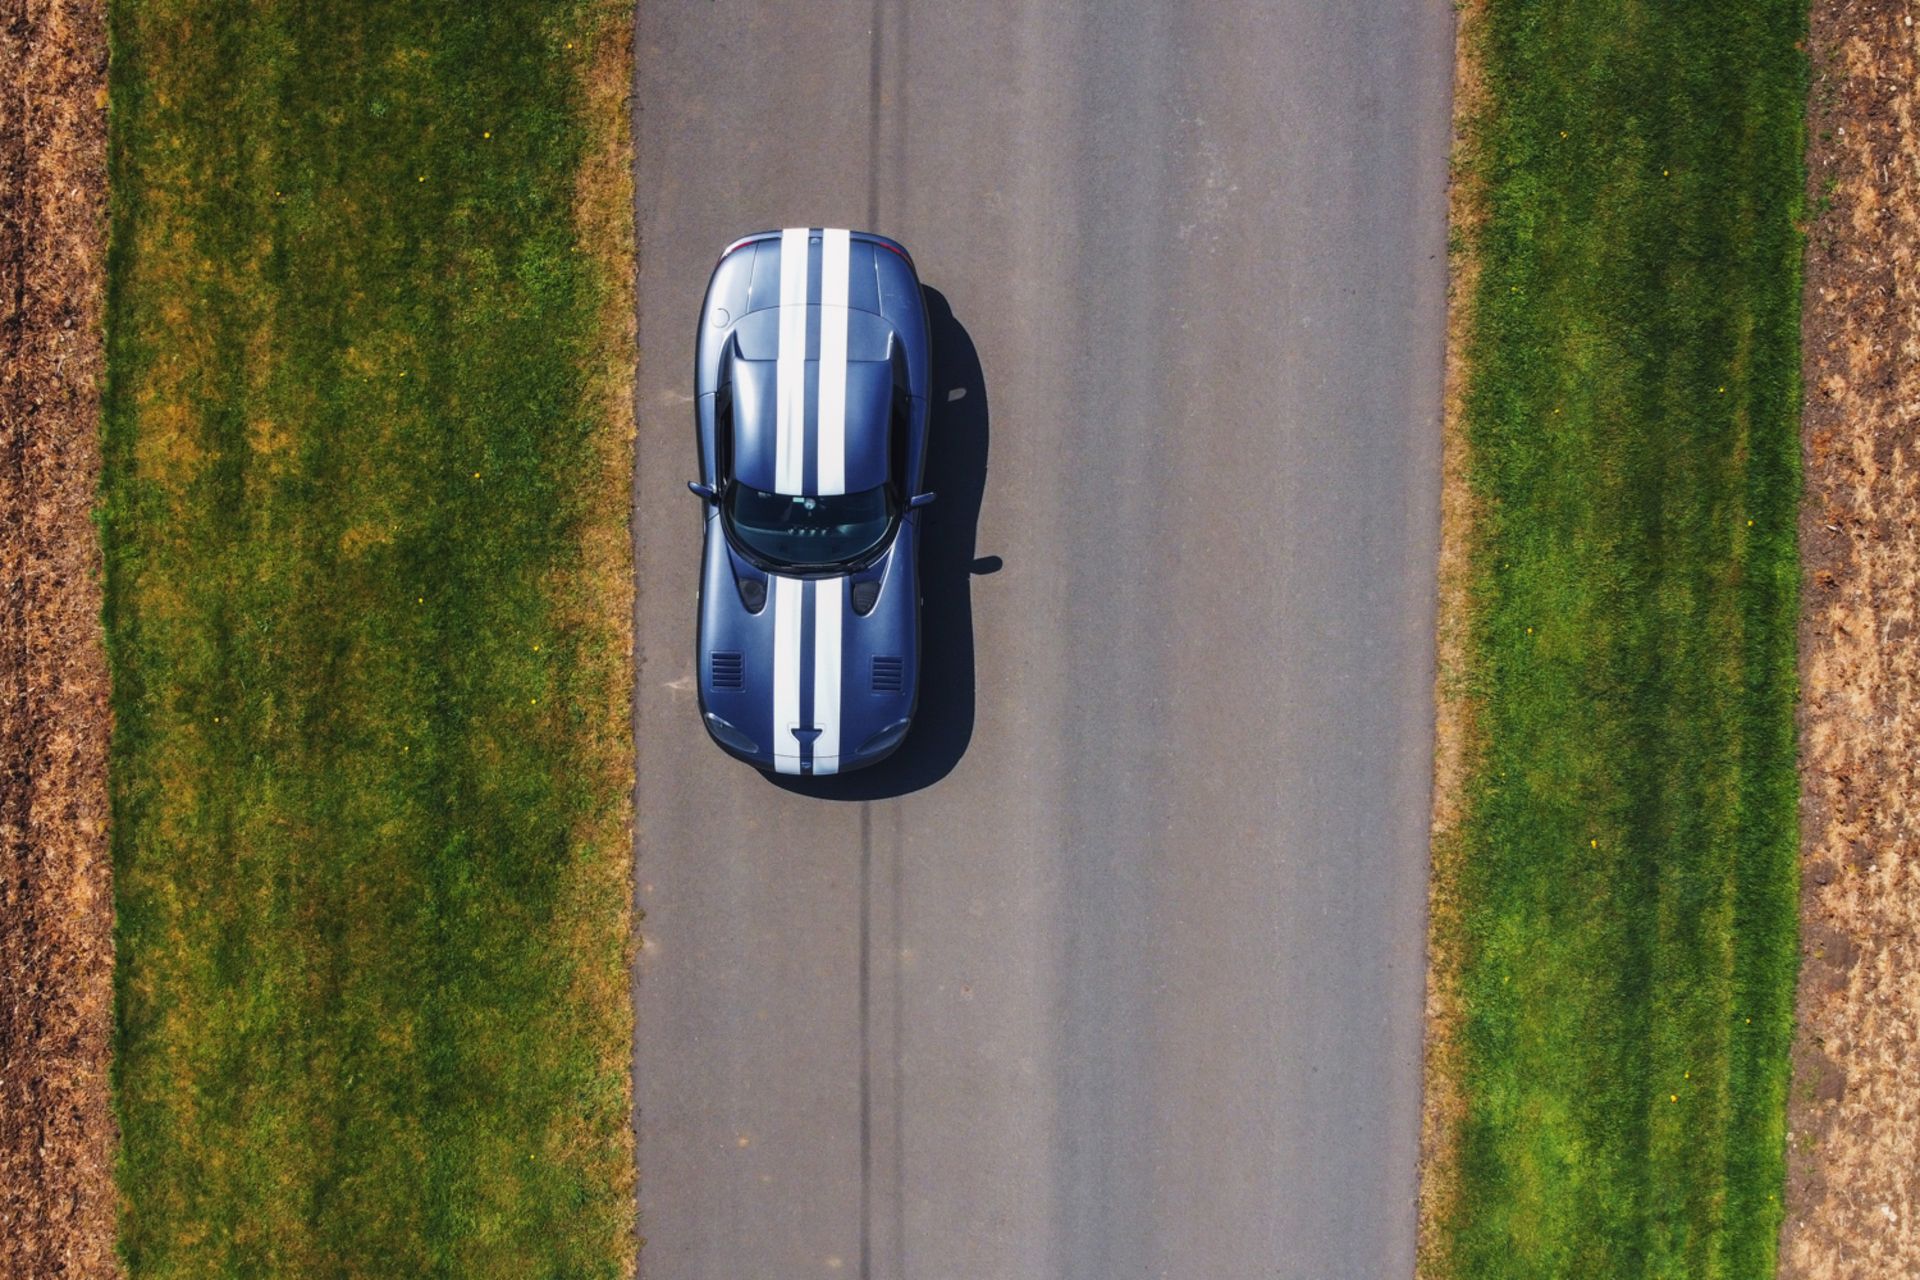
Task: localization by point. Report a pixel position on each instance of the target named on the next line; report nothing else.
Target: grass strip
(1621, 912)
(368, 598)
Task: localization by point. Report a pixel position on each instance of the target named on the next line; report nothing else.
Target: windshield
(806, 532)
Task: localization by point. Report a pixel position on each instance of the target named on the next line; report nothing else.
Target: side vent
(729, 671)
(889, 674)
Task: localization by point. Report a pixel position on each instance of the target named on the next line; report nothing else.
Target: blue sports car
(811, 412)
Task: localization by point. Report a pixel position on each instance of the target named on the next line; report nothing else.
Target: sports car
(811, 412)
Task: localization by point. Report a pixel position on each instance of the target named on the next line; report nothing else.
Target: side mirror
(704, 492)
(919, 500)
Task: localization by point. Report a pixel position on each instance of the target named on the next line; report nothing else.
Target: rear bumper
(869, 237)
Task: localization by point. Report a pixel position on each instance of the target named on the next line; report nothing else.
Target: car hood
(806, 680)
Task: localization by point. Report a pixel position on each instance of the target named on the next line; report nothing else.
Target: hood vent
(729, 671)
(889, 674)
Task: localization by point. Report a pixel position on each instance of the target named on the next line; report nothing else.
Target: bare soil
(1853, 1194)
(56, 914)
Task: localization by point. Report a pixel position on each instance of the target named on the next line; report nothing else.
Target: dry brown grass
(604, 590)
(1853, 1203)
(56, 944)
(1456, 732)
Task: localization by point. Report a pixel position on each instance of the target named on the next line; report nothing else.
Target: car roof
(865, 436)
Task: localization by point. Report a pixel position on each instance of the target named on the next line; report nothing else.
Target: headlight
(753, 593)
(886, 739)
(729, 736)
(864, 596)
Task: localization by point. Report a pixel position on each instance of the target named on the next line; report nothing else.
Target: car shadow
(957, 472)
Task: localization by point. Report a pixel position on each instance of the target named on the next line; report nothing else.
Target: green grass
(1628, 863)
(365, 517)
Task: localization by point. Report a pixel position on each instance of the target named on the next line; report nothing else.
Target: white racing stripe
(786, 673)
(790, 453)
(835, 247)
(829, 595)
(790, 366)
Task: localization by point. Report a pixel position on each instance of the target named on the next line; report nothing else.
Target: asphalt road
(1117, 970)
